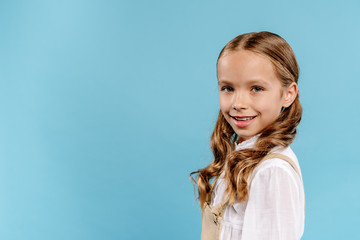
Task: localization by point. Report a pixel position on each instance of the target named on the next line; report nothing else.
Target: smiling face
(251, 95)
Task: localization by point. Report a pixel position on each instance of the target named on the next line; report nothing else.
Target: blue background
(106, 106)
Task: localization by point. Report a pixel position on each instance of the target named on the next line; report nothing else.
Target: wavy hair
(241, 164)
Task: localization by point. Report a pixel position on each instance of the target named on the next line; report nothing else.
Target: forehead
(245, 65)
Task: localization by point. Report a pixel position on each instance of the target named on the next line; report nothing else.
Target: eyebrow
(258, 81)
(224, 82)
(250, 82)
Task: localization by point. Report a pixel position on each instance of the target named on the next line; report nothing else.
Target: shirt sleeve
(273, 210)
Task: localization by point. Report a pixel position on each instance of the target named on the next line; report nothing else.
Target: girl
(257, 192)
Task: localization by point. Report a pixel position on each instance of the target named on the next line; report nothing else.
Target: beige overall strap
(218, 212)
(211, 221)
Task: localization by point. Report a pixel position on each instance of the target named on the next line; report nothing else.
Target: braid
(221, 144)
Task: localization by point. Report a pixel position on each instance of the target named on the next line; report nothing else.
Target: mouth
(243, 118)
(243, 121)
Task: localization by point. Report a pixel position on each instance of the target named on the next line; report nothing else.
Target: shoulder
(277, 162)
(277, 169)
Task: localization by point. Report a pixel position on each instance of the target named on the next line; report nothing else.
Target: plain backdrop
(107, 106)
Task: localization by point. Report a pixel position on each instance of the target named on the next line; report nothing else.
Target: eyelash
(227, 89)
(256, 89)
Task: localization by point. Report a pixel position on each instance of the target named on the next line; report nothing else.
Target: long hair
(241, 164)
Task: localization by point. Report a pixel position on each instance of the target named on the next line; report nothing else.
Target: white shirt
(275, 207)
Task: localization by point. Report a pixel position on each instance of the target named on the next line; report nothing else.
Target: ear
(290, 94)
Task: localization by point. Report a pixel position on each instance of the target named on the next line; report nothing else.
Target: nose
(239, 101)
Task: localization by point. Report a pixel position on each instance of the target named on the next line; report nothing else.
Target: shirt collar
(250, 143)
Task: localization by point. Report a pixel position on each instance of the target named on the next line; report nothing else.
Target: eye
(227, 89)
(256, 89)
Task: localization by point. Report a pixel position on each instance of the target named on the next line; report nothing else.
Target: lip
(243, 123)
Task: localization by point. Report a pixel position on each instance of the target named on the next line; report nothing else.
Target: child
(257, 192)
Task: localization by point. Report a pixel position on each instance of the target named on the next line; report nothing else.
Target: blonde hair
(241, 164)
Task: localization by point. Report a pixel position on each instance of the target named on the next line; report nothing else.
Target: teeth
(243, 119)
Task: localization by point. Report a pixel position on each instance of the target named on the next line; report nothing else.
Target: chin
(245, 136)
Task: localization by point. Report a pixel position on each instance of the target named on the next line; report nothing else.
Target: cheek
(224, 105)
(267, 106)
(261, 104)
